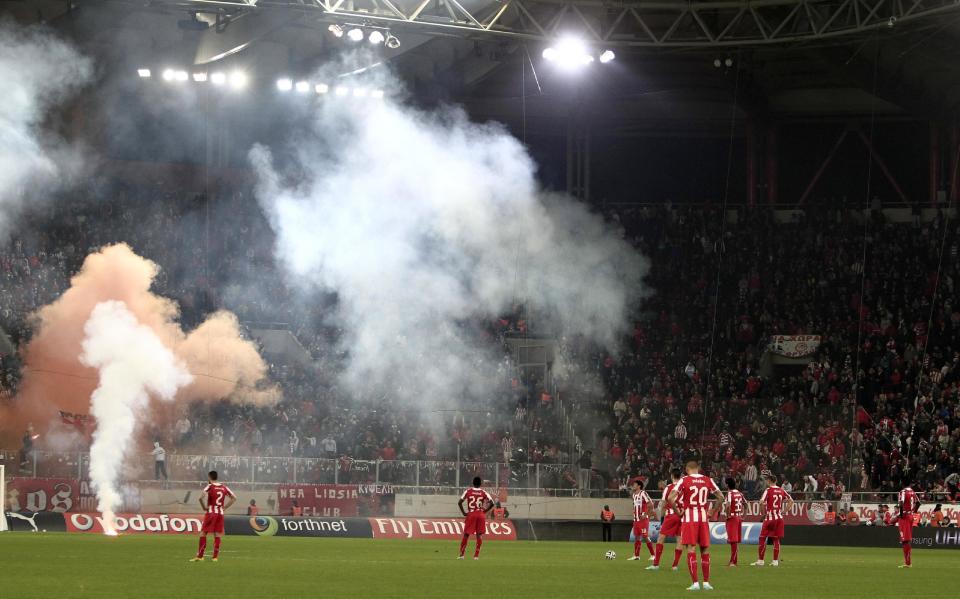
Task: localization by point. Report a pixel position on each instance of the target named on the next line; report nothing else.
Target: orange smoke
(224, 364)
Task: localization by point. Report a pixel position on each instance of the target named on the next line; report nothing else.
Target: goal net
(3, 499)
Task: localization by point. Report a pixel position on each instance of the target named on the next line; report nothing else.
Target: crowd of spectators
(875, 407)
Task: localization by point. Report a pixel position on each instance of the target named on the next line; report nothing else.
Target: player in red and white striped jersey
(733, 507)
(642, 510)
(215, 499)
(773, 501)
(908, 504)
(478, 503)
(670, 526)
(694, 491)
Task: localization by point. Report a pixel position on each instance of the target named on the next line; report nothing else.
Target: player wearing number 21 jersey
(694, 492)
(215, 499)
(773, 502)
(478, 503)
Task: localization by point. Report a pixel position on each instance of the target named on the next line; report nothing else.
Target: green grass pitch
(72, 565)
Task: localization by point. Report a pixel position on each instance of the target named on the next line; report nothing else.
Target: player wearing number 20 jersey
(694, 492)
(474, 504)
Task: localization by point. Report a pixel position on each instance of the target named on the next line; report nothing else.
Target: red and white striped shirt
(217, 494)
(694, 491)
(908, 501)
(667, 510)
(476, 499)
(773, 498)
(641, 506)
(735, 503)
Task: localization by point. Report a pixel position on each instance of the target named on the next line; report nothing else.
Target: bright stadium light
(377, 94)
(181, 75)
(392, 42)
(376, 37)
(355, 35)
(336, 30)
(143, 73)
(199, 77)
(569, 53)
(360, 92)
(322, 88)
(238, 79)
(342, 90)
(218, 78)
(607, 56)
(168, 75)
(303, 86)
(284, 85)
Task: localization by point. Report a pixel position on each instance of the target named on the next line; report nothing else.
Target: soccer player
(772, 502)
(694, 491)
(670, 526)
(478, 503)
(908, 504)
(734, 509)
(215, 499)
(642, 510)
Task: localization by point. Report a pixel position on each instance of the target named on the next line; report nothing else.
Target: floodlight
(355, 35)
(181, 75)
(336, 30)
(377, 93)
(303, 87)
(199, 77)
(218, 78)
(392, 42)
(143, 73)
(238, 79)
(359, 92)
(284, 85)
(607, 56)
(168, 75)
(342, 91)
(376, 37)
(322, 88)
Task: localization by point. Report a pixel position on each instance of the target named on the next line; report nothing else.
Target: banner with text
(281, 526)
(137, 523)
(49, 495)
(794, 346)
(436, 528)
(336, 501)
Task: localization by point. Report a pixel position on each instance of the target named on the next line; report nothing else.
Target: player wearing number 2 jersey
(215, 499)
(694, 491)
(773, 502)
(478, 503)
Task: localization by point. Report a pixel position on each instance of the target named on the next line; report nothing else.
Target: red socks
(692, 565)
(476, 553)
(636, 547)
(657, 554)
(677, 554)
(733, 553)
(216, 547)
(705, 564)
(650, 547)
(776, 549)
(203, 546)
(907, 550)
(463, 544)
(763, 547)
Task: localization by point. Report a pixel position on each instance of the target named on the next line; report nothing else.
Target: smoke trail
(224, 364)
(38, 71)
(133, 363)
(422, 222)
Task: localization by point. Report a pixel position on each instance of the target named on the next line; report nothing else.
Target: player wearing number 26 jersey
(215, 499)
(474, 504)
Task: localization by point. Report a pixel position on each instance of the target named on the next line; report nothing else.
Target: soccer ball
(611, 555)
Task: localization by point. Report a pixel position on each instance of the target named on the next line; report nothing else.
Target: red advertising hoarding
(436, 528)
(49, 495)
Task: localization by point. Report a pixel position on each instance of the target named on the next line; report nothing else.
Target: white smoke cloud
(422, 222)
(133, 363)
(38, 72)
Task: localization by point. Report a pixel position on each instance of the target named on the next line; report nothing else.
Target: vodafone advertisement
(136, 523)
(436, 528)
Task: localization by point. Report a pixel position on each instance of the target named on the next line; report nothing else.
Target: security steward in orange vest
(500, 513)
(606, 518)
